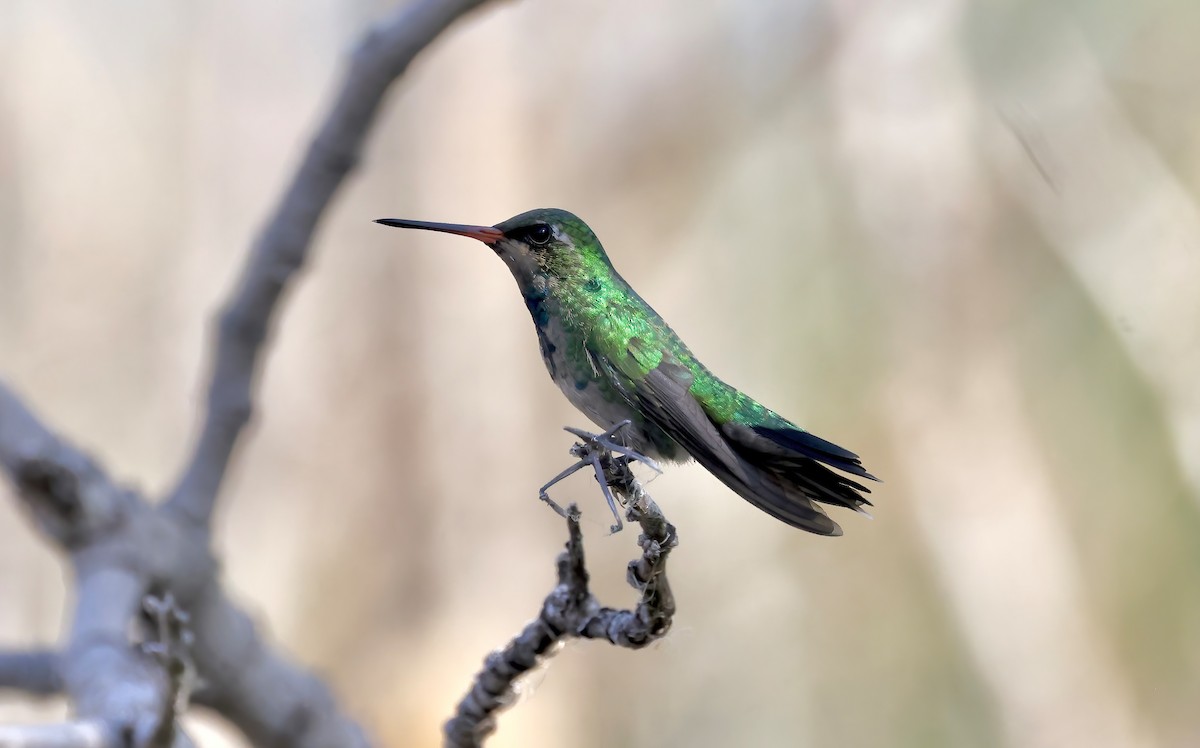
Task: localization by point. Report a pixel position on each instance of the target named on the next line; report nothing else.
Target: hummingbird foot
(597, 451)
(607, 442)
(568, 472)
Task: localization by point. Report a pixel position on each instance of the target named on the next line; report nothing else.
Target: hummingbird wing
(663, 395)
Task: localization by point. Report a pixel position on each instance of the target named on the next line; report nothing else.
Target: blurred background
(960, 237)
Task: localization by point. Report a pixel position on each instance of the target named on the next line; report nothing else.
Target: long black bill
(485, 234)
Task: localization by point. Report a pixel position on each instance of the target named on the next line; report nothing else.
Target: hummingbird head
(542, 247)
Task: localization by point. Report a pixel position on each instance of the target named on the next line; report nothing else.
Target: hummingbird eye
(540, 234)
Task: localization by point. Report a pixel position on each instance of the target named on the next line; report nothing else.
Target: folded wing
(780, 485)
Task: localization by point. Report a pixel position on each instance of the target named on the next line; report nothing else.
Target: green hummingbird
(617, 361)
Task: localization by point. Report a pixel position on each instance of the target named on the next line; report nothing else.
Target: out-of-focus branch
(571, 611)
(123, 549)
(89, 734)
(126, 552)
(69, 497)
(272, 700)
(282, 247)
(110, 683)
(36, 673)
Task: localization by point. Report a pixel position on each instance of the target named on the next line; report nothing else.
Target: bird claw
(605, 442)
(552, 503)
(596, 451)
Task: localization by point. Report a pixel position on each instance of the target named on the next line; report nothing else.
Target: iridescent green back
(611, 319)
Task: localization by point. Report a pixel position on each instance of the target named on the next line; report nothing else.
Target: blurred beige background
(960, 237)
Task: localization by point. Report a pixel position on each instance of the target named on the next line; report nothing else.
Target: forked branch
(126, 549)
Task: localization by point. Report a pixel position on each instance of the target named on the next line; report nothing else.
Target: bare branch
(126, 551)
(570, 610)
(86, 734)
(106, 676)
(69, 496)
(109, 679)
(36, 673)
(76, 504)
(282, 247)
(271, 700)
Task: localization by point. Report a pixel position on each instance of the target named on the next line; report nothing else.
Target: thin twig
(168, 641)
(570, 611)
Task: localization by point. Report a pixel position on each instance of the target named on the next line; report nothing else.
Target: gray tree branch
(81, 734)
(35, 672)
(114, 688)
(127, 553)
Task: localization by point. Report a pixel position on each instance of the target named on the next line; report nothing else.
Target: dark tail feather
(795, 458)
(816, 448)
(819, 482)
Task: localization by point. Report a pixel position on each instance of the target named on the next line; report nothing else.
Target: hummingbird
(620, 364)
